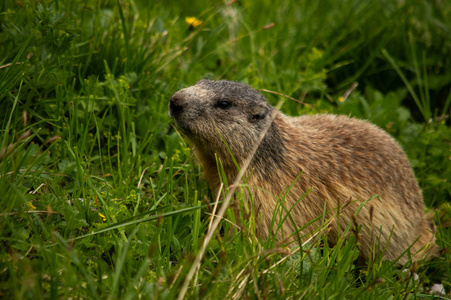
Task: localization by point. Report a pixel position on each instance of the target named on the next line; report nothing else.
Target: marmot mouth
(183, 127)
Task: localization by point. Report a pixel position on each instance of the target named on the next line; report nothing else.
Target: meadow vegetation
(100, 197)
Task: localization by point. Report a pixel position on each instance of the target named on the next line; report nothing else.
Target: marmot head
(213, 114)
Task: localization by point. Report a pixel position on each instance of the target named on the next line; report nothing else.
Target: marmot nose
(176, 105)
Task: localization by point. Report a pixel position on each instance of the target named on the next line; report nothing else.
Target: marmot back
(332, 160)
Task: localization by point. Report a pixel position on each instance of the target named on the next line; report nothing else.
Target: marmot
(327, 160)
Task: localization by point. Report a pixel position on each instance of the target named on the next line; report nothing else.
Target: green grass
(101, 198)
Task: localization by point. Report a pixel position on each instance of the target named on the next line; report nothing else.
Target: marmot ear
(259, 112)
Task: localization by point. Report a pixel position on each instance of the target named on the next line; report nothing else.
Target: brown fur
(340, 159)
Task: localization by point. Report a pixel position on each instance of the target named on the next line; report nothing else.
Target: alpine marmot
(313, 163)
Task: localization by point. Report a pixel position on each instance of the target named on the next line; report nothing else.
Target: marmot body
(330, 159)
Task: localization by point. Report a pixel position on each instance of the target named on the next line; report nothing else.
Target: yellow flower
(193, 21)
(341, 99)
(30, 205)
(103, 217)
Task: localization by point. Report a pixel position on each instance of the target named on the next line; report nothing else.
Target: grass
(101, 198)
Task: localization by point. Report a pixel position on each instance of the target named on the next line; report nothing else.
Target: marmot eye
(224, 104)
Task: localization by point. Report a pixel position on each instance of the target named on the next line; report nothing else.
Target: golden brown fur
(339, 159)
